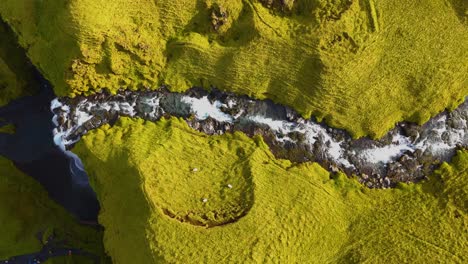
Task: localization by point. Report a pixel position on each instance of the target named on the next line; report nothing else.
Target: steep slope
(171, 194)
(27, 215)
(361, 65)
(16, 72)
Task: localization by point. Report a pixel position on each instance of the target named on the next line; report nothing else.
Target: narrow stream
(407, 153)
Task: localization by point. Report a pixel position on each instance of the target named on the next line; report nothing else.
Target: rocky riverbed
(407, 153)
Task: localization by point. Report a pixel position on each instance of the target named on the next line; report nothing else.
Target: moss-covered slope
(26, 210)
(171, 194)
(360, 64)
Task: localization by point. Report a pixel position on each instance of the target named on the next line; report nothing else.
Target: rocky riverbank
(407, 153)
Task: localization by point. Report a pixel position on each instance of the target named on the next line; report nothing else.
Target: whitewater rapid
(218, 113)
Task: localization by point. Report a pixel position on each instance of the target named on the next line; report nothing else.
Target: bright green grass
(293, 213)
(361, 65)
(25, 210)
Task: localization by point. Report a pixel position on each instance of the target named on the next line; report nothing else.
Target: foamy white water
(203, 108)
(439, 137)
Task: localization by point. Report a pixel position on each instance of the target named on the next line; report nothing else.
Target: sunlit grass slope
(26, 210)
(358, 64)
(171, 194)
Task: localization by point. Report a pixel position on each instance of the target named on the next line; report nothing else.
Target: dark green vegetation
(153, 203)
(26, 210)
(8, 129)
(16, 73)
(361, 65)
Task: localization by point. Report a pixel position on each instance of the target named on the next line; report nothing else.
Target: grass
(16, 73)
(25, 210)
(276, 211)
(360, 65)
(7, 129)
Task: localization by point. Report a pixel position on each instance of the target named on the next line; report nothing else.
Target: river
(407, 153)
(33, 151)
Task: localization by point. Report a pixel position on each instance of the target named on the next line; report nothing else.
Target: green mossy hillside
(26, 210)
(362, 65)
(162, 186)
